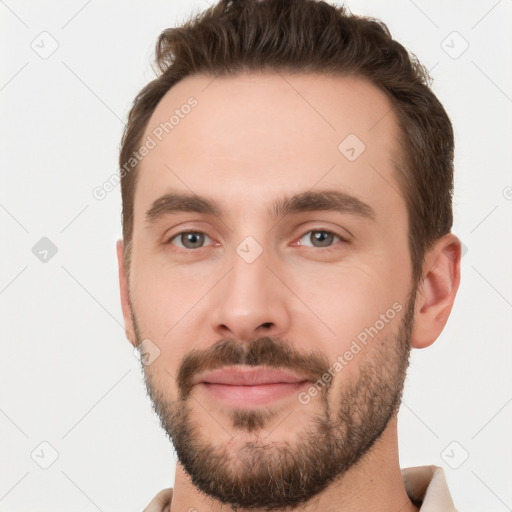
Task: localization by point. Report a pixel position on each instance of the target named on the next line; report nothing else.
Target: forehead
(252, 134)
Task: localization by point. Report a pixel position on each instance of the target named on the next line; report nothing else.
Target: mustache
(264, 351)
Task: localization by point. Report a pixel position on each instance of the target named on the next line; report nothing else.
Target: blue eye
(322, 237)
(318, 238)
(189, 239)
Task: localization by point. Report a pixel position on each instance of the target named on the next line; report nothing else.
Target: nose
(251, 302)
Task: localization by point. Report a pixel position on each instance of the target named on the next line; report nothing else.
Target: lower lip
(250, 396)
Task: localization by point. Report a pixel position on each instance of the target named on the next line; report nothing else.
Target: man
(286, 186)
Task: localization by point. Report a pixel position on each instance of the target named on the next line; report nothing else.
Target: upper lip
(254, 376)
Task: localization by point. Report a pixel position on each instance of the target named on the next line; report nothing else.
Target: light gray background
(69, 378)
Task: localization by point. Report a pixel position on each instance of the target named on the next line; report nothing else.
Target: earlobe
(125, 295)
(436, 293)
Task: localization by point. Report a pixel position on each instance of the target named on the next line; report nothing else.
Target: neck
(374, 483)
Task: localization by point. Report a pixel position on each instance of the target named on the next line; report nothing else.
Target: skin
(254, 138)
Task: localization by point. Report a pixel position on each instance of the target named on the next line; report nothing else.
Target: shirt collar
(426, 485)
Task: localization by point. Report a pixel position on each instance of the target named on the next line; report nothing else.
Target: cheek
(350, 297)
(361, 304)
(170, 307)
(165, 295)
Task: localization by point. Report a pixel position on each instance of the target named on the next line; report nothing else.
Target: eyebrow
(324, 200)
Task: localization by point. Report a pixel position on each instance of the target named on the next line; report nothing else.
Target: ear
(436, 293)
(125, 295)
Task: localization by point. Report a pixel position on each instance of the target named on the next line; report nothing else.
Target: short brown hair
(309, 36)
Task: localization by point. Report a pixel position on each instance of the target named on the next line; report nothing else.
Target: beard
(281, 474)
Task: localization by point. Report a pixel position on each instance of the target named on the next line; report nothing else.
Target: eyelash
(316, 230)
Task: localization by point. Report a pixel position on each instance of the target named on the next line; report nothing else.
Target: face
(270, 269)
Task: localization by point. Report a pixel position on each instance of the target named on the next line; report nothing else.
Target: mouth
(246, 387)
